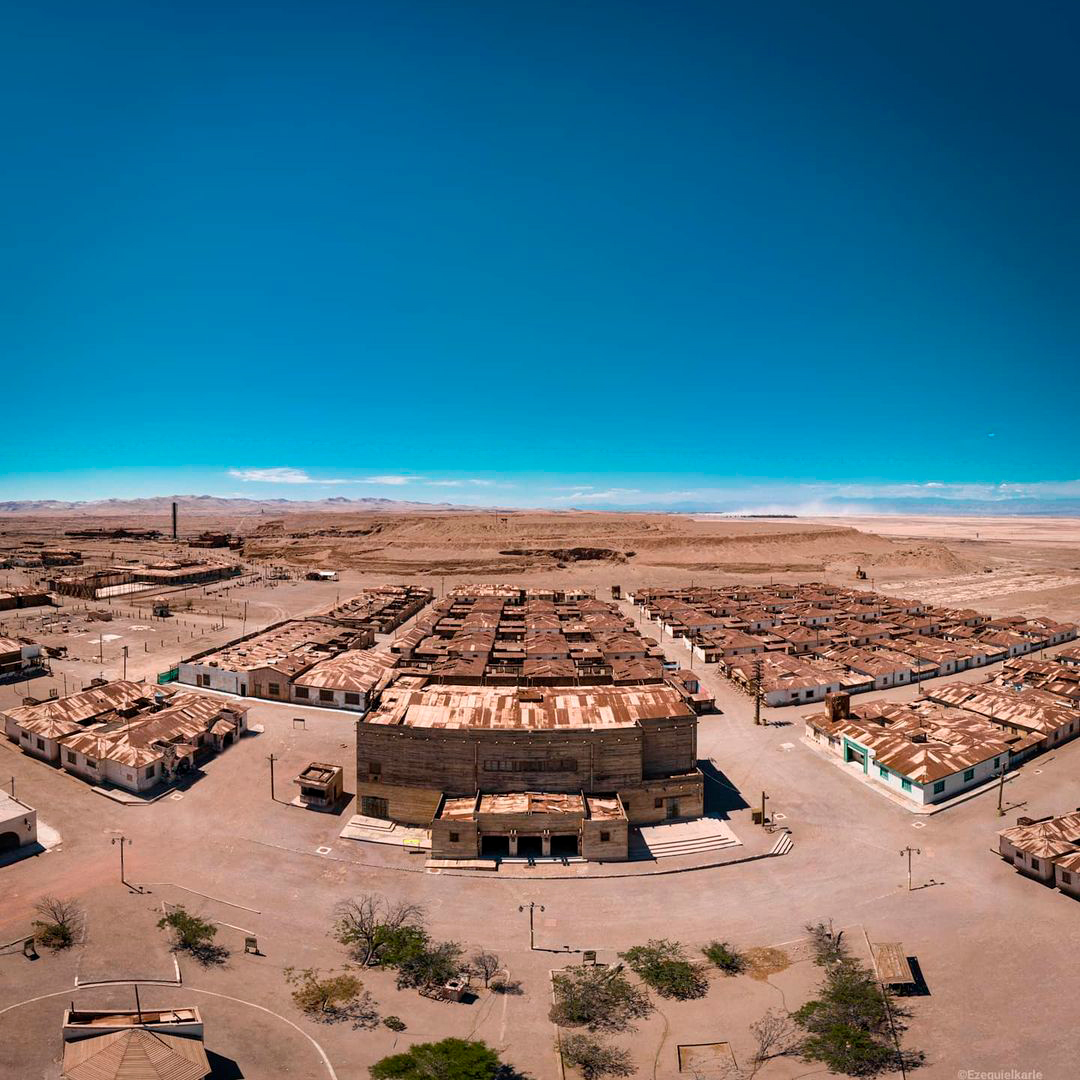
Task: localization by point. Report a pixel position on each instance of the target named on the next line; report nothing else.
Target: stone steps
(783, 844)
(661, 849)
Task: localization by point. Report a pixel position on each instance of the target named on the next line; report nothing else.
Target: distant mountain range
(195, 505)
(160, 506)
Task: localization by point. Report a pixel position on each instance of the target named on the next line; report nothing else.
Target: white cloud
(583, 493)
(394, 480)
(281, 474)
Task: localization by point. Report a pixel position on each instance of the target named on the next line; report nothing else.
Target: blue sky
(763, 254)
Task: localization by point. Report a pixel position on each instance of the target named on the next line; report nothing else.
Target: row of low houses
(127, 734)
(537, 637)
(958, 736)
(305, 661)
(381, 608)
(1046, 849)
(923, 752)
(465, 639)
(807, 641)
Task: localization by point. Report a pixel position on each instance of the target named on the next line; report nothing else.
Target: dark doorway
(673, 808)
(373, 806)
(9, 841)
(495, 845)
(561, 846)
(530, 847)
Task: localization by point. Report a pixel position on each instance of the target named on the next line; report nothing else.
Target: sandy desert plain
(992, 947)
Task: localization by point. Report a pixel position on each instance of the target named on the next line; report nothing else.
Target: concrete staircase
(683, 838)
(783, 844)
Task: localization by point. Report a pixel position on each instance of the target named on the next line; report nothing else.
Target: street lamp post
(909, 851)
(532, 906)
(122, 840)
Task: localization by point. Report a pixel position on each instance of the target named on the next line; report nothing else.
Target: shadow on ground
(722, 797)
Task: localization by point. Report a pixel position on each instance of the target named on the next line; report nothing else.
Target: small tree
(595, 1059)
(450, 1059)
(486, 964)
(433, 965)
(724, 957)
(663, 965)
(193, 935)
(61, 923)
(852, 1025)
(775, 1035)
(401, 945)
(321, 997)
(366, 921)
(600, 999)
(827, 943)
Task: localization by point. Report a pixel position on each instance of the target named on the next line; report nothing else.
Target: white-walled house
(924, 754)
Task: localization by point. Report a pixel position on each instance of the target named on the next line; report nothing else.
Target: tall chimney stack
(174, 521)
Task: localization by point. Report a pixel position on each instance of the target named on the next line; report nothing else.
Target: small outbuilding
(18, 824)
(321, 786)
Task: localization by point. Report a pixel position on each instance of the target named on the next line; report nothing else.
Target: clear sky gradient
(781, 251)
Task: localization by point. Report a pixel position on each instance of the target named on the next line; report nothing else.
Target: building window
(883, 772)
(150, 770)
(454, 837)
(71, 757)
(41, 744)
(969, 774)
(996, 762)
(1034, 863)
(1019, 856)
(605, 837)
(326, 695)
(374, 768)
(1066, 877)
(939, 787)
(275, 689)
(352, 699)
(301, 691)
(91, 764)
(528, 765)
(658, 804)
(905, 784)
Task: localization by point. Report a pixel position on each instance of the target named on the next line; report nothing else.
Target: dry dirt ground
(991, 945)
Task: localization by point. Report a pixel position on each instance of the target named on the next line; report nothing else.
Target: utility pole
(757, 692)
(125, 662)
(122, 840)
(763, 798)
(272, 759)
(244, 631)
(532, 906)
(909, 851)
(1001, 793)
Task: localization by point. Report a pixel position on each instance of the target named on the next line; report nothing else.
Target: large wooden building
(528, 770)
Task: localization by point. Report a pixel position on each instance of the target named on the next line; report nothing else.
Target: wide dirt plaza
(989, 943)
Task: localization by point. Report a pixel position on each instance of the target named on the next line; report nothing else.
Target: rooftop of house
(292, 646)
(357, 670)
